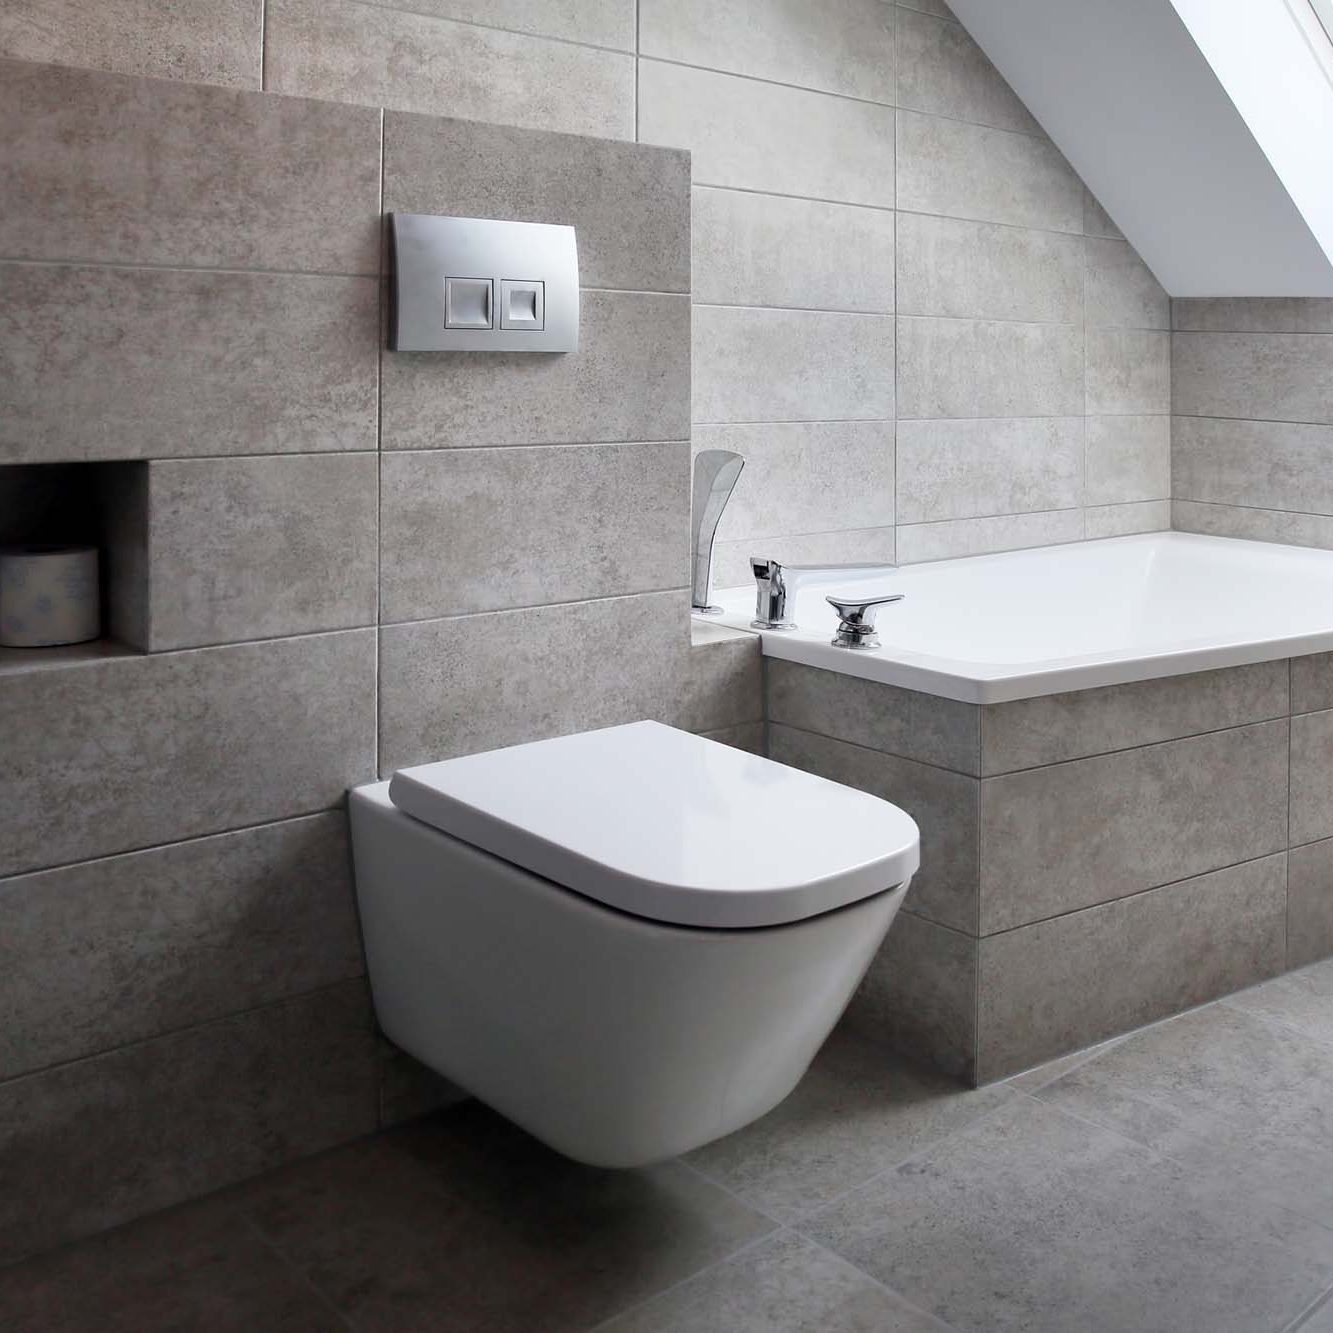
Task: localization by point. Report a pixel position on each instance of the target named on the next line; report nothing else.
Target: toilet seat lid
(669, 826)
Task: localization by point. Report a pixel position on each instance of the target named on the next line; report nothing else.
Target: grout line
(802, 309)
(382, 316)
(1302, 1320)
(292, 1267)
(263, 46)
(491, 27)
(1254, 509)
(638, 59)
(1255, 421)
(119, 265)
(535, 606)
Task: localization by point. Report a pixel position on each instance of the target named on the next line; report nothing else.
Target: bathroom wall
(853, 160)
(1253, 425)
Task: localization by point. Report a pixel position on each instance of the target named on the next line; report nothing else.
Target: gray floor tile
(1040, 1075)
(195, 1268)
(784, 1284)
(460, 1221)
(1302, 1000)
(1034, 1220)
(1318, 1320)
(859, 1111)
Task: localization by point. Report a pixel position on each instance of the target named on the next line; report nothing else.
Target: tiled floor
(1179, 1180)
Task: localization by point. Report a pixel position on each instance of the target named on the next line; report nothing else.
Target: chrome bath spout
(716, 472)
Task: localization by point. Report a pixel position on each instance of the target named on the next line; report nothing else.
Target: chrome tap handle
(770, 610)
(856, 627)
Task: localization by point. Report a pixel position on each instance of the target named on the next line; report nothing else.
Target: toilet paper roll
(48, 596)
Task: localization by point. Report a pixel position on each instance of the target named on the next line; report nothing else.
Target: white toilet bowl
(629, 942)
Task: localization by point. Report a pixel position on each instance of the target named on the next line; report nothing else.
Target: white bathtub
(1024, 623)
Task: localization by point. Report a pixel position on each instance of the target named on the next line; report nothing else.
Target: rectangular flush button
(467, 303)
(522, 304)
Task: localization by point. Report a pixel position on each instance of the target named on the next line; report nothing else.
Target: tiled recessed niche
(96, 504)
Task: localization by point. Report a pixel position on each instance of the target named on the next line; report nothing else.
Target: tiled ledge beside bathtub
(1091, 861)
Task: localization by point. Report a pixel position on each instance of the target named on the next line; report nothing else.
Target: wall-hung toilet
(629, 941)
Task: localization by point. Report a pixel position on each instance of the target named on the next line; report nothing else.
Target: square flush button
(522, 304)
(467, 303)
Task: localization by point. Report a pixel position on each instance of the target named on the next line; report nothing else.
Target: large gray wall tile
(964, 469)
(1128, 372)
(351, 52)
(791, 365)
(1120, 520)
(840, 46)
(1259, 464)
(629, 204)
(1122, 293)
(132, 752)
(1060, 985)
(253, 548)
(1311, 777)
(761, 136)
(115, 169)
(731, 559)
(1260, 525)
(978, 536)
(919, 996)
(1312, 683)
(814, 476)
(484, 529)
(202, 41)
(593, 22)
(89, 1144)
(1259, 376)
(1254, 314)
(985, 270)
(869, 713)
(135, 363)
(1128, 459)
(1076, 834)
(629, 380)
(472, 683)
(974, 368)
(943, 803)
(971, 171)
(765, 249)
(1055, 727)
(941, 70)
(1310, 903)
(96, 955)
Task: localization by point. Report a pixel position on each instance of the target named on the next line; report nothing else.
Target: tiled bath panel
(1091, 861)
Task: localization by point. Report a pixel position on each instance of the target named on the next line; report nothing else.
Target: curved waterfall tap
(716, 472)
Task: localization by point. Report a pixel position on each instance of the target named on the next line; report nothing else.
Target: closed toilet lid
(669, 826)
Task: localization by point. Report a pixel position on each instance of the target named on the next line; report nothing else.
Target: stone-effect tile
(252, 548)
(977, 536)
(1069, 836)
(1036, 1078)
(1260, 525)
(1056, 727)
(1309, 903)
(1260, 376)
(1122, 292)
(464, 1217)
(880, 717)
(201, 41)
(983, 270)
(125, 363)
(1033, 1220)
(812, 476)
(593, 22)
(784, 1284)
(943, 803)
(108, 952)
(349, 52)
(1300, 1000)
(474, 683)
(197, 1267)
(1128, 459)
(859, 1111)
(1125, 519)
(749, 736)
(1320, 1319)
(791, 365)
(1312, 682)
(941, 70)
(1311, 790)
(90, 1144)
(122, 170)
(761, 136)
(1062, 984)
(765, 249)
(1258, 464)
(971, 171)
(629, 380)
(629, 204)
(731, 559)
(976, 368)
(1128, 372)
(966, 469)
(1254, 314)
(841, 46)
(485, 529)
(133, 752)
